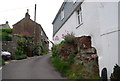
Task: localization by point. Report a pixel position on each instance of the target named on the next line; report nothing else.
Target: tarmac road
(38, 67)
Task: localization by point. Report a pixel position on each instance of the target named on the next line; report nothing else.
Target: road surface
(38, 67)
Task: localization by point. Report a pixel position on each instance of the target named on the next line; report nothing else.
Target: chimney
(6, 22)
(35, 14)
(27, 14)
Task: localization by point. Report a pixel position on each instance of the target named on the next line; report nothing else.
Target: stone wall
(10, 46)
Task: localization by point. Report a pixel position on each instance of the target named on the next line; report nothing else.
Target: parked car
(6, 55)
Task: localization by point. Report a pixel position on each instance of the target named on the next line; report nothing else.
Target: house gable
(69, 8)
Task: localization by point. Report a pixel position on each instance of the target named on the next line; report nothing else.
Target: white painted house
(89, 18)
(6, 25)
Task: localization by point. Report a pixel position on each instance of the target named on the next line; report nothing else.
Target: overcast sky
(14, 10)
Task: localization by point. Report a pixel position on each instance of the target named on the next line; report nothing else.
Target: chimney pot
(27, 14)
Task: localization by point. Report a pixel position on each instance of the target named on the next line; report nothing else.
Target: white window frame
(79, 16)
(62, 13)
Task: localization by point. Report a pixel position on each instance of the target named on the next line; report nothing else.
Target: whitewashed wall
(99, 19)
(108, 14)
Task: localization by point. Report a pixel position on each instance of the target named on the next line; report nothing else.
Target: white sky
(14, 10)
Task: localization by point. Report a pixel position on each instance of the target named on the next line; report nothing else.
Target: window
(74, 1)
(79, 16)
(62, 13)
(41, 33)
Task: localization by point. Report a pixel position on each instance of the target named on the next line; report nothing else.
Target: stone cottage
(28, 27)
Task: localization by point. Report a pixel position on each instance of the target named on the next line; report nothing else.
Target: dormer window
(62, 13)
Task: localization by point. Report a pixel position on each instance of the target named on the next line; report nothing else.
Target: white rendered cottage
(93, 18)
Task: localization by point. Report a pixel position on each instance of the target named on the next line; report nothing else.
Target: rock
(88, 51)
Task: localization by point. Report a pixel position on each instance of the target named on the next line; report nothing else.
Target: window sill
(79, 25)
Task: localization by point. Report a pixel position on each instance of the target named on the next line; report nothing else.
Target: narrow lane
(34, 68)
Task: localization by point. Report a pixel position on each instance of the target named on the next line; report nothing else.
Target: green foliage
(69, 38)
(75, 72)
(25, 46)
(2, 61)
(60, 65)
(57, 48)
(45, 52)
(21, 57)
(6, 34)
(63, 66)
(7, 30)
(21, 42)
(72, 71)
(55, 51)
(116, 73)
(70, 60)
(43, 48)
(19, 51)
(67, 66)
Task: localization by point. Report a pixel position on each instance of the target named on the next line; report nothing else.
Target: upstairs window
(79, 16)
(62, 13)
(74, 1)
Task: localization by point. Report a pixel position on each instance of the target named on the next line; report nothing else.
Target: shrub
(61, 66)
(25, 45)
(55, 51)
(45, 52)
(69, 38)
(21, 42)
(19, 51)
(2, 61)
(7, 30)
(70, 60)
(116, 73)
(6, 34)
(21, 57)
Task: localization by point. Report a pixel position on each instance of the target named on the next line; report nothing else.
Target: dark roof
(44, 32)
(4, 26)
(58, 12)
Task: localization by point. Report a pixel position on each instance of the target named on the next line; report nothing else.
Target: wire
(15, 9)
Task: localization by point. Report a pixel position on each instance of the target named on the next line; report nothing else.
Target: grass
(2, 62)
(72, 71)
(21, 57)
(60, 65)
(45, 52)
